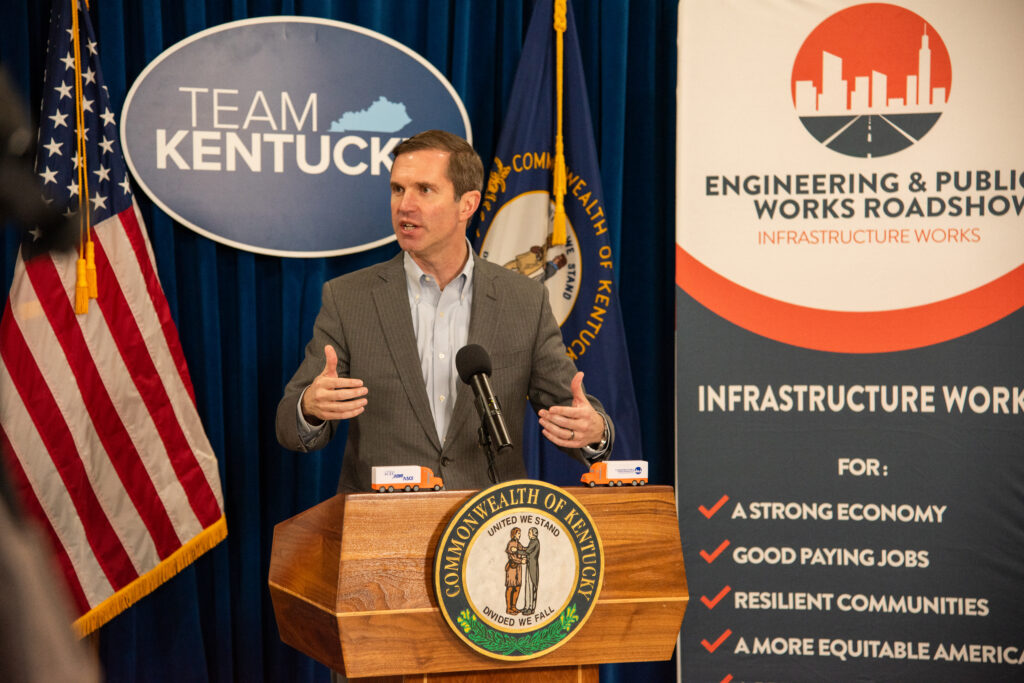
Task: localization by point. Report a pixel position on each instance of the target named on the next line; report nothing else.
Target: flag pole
(558, 231)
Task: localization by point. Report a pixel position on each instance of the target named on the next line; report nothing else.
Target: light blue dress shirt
(440, 321)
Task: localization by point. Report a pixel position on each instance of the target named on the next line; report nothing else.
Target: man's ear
(468, 203)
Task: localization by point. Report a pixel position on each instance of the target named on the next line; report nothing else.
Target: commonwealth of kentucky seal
(518, 570)
(520, 239)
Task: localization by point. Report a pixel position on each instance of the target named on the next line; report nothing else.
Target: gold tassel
(81, 290)
(558, 226)
(82, 280)
(90, 269)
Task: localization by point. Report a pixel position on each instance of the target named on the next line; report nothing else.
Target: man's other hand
(573, 426)
(330, 397)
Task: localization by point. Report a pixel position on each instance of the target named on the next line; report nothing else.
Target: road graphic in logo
(518, 570)
(871, 80)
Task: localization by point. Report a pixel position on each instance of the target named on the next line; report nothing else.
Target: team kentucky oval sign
(275, 134)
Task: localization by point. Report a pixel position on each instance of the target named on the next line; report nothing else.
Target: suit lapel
(483, 319)
(392, 301)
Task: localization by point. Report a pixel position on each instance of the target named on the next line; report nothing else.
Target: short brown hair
(465, 169)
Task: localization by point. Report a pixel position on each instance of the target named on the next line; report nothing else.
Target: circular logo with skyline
(871, 80)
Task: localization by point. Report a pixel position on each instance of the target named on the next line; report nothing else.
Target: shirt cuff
(594, 453)
(307, 432)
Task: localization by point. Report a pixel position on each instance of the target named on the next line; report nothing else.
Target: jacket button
(445, 461)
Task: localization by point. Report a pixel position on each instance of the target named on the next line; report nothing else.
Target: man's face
(428, 220)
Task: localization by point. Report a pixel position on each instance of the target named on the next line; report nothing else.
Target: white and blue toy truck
(616, 473)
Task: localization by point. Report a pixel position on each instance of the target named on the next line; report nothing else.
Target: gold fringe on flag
(151, 580)
(558, 229)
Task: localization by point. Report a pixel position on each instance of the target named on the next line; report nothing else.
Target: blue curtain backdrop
(244, 318)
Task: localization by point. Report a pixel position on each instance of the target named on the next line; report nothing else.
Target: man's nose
(406, 202)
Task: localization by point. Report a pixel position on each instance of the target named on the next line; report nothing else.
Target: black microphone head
(471, 360)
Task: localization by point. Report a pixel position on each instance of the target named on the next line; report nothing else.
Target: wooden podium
(352, 585)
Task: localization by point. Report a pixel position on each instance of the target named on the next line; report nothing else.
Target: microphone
(474, 366)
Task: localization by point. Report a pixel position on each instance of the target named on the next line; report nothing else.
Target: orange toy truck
(404, 478)
(616, 473)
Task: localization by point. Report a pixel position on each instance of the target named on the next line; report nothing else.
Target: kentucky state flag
(515, 229)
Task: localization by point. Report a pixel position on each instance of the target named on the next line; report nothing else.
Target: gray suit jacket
(365, 315)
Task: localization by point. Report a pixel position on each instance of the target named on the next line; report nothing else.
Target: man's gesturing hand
(330, 397)
(573, 426)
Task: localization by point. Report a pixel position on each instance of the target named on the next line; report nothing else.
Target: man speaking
(384, 343)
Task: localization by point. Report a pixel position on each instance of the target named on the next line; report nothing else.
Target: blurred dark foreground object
(37, 644)
(45, 226)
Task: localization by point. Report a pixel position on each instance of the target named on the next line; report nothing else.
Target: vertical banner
(516, 228)
(850, 354)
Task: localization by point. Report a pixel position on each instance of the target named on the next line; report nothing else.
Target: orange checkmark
(714, 508)
(710, 604)
(711, 647)
(710, 557)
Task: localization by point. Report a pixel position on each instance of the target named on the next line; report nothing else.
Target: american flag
(98, 422)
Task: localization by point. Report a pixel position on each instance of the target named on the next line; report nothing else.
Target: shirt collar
(414, 275)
